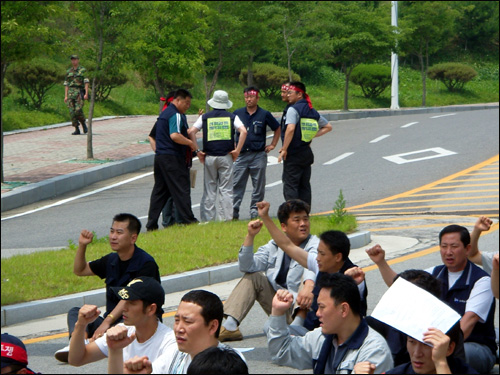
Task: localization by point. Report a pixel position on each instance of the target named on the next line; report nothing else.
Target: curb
(56, 186)
(23, 312)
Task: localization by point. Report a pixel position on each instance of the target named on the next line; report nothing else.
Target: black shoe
(76, 132)
(84, 126)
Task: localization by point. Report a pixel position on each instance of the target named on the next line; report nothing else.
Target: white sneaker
(62, 354)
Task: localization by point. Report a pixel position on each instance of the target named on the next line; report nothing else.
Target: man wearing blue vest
(218, 156)
(303, 123)
(172, 161)
(466, 289)
(253, 157)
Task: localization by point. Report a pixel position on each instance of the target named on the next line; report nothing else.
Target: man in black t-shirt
(118, 268)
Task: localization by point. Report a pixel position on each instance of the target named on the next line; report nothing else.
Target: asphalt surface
(398, 222)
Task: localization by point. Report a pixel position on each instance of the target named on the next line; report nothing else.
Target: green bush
(268, 78)
(372, 78)
(34, 78)
(453, 75)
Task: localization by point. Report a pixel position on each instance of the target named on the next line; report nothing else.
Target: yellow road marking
(428, 186)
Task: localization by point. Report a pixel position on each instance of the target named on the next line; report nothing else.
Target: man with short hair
(141, 333)
(303, 123)
(172, 161)
(14, 356)
(343, 340)
(331, 256)
(280, 270)
(76, 90)
(218, 156)
(252, 160)
(196, 328)
(466, 289)
(118, 268)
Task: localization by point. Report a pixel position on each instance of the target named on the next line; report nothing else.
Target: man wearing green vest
(303, 123)
(218, 155)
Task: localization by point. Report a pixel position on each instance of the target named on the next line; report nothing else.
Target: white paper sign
(412, 310)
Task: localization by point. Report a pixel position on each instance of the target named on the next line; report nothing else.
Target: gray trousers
(217, 181)
(252, 287)
(253, 164)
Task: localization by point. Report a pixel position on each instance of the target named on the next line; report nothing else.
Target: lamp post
(394, 62)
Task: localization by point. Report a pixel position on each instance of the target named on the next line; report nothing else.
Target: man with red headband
(303, 123)
(253, 159)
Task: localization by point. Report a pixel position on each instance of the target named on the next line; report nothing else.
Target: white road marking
(437, 153)
(410, 124)
(272, 160)
(79, 196)
(449, 114)
(380, 138)
(338, 158)
(274, 184)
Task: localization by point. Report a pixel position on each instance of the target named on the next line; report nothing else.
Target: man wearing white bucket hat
(218, 155)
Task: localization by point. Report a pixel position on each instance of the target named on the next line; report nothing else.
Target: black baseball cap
(74, 57)
(144, 288)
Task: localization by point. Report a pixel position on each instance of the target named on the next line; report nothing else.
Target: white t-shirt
(487, 260)
(161, 342)
(177, 362)
(293, 117)
(199, 123)
(480, 297)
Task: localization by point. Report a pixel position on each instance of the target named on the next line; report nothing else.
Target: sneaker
(226, 335)
(62, 354)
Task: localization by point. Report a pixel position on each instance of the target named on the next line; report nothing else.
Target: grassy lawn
(134, 99)
(176, 249)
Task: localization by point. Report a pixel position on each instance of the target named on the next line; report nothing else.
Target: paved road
(369, 159)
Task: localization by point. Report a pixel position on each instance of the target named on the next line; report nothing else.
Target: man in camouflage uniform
(76, 90)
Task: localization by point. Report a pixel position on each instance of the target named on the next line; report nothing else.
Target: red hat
(13, 351)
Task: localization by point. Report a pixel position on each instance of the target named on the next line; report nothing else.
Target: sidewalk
(42, 163)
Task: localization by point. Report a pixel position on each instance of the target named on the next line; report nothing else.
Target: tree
(477, 24)
(427, 26)
(102, 24)
(291, 19)
(25, 33)
(362, 32)
(35, 78)
(254, 35)
(166, 45)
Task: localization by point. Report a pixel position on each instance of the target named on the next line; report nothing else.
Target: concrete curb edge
(23, 312)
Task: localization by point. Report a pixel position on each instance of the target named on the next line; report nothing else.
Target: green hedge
(268, 78)
(372, 78)
(453, 75)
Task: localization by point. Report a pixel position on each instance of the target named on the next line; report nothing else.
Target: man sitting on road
(332, 256)
(125, 263)
(280, 270)
(466, 289)
(196, 328)
(141, 333)
(342, 344)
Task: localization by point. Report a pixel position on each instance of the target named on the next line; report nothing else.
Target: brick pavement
(42, 154)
